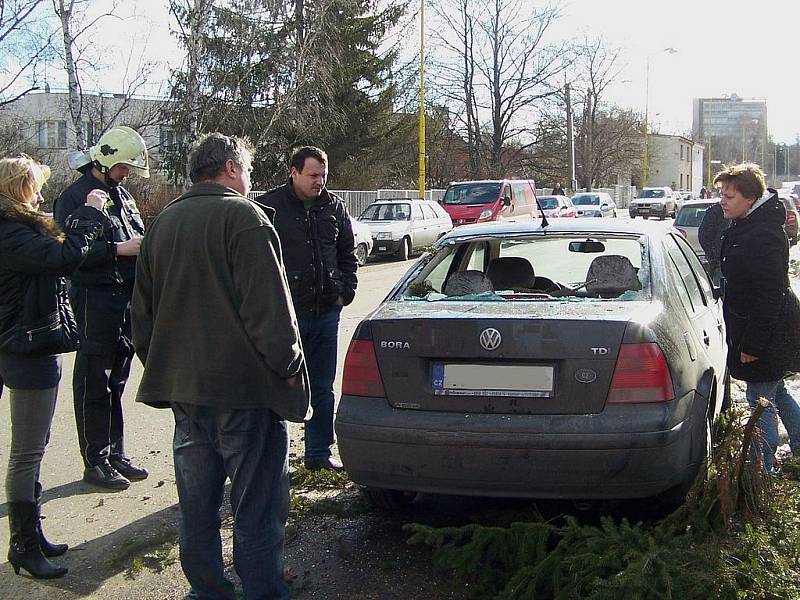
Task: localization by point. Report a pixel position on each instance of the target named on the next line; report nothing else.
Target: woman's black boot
(48, 549)
(24, 551)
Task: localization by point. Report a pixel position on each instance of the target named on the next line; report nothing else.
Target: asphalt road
(104, 529)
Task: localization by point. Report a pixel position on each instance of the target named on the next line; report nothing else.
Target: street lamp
(645, 151)
(421, 125)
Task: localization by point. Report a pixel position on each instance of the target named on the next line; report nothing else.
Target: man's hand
(340, 301)
(292, 381)
(129, 247)
(97, 199)
(747, 358)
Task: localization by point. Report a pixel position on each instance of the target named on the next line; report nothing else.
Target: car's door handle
(706, 338)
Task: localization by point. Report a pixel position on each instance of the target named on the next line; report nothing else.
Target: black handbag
(31, 333)
(55, 334)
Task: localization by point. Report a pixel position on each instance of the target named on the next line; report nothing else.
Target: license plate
(532, 381)
(382, 248)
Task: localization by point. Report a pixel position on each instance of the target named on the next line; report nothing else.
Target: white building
(44, 127)
(675, 161)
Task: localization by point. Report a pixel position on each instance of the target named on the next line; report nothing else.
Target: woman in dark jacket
(762, 314)
(35, 326)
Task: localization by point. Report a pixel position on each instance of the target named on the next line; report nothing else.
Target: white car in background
(362, 240)
(401, 226)
(594, 204)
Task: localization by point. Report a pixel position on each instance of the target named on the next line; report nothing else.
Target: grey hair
(209, 154)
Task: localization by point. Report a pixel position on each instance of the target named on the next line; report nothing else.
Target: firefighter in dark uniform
(101, 297)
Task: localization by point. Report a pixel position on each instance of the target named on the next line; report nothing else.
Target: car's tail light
(681, 231)
(641, 375)
(361, 376)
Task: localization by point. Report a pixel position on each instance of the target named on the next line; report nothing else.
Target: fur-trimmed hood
(15, 211)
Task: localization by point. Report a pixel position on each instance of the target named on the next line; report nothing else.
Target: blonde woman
(36, 325)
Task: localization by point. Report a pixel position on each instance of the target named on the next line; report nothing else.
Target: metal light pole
(645, 157)
(646, 149)
(422, 99)
(573, 184)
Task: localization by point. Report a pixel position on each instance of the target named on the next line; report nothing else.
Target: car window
(697, 267)
(477, 260)
(601, 268)
(585, 199)
(691, 216)
(652, 194)
(693, 300)
(400, 211)
(428, 213)
(548, 202)
(472, 193)
(416, 213)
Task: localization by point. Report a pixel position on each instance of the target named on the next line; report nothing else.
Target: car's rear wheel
(405, 249)
(361, 254)
(388, 499)
(676, 495)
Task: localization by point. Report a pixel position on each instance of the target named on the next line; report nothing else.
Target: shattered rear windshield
(570, 267)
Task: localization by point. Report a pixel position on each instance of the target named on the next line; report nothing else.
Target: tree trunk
(74, 100)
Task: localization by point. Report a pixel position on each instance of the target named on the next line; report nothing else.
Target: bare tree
(25, 42)
(497, 72)
(77, 21)
(598, 68)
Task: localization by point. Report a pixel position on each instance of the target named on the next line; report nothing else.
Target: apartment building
(675, 161)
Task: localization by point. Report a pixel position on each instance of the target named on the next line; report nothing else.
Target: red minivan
(489, 200)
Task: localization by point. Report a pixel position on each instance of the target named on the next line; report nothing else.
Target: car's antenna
(539, 206)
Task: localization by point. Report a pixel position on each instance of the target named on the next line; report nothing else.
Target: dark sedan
(583, 361)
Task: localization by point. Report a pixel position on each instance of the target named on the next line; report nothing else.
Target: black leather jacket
(32, 266)
(122, 223)
(317, 246)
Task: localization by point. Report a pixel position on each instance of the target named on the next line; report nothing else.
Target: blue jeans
(787, 408)
(250, 447)
(320, 337)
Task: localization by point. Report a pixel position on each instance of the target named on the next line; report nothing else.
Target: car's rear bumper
(554, 456)
(636, 211)
(385, 246)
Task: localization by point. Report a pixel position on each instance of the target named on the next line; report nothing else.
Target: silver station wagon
(583, 360)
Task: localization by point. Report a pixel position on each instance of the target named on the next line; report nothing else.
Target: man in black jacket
(100, 296)
(709, 234)
(318, 252)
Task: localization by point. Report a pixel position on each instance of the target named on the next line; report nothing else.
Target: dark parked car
(586, 363)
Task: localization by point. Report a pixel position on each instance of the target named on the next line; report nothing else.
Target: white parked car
(594, 204)
(401, 226)
(363, 240)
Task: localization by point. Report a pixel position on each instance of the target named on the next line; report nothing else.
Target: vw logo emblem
(491, 339)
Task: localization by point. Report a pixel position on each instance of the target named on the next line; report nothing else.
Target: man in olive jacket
(318, 247)
(213, 324)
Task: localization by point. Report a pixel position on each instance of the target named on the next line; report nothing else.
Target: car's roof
(582, 226)
(706, 202)
(396, 200)
(486, 181)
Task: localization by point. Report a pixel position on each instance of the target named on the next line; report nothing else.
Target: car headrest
(611, 275)
(464, 283)
(511, 272)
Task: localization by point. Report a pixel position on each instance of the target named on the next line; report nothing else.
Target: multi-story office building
(734, 129)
